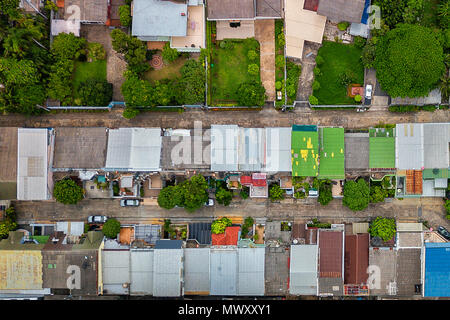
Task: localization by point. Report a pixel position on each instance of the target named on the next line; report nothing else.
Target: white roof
(32, 164)
(436, 140)
(70, 228)
(409, 153)
(278, 150)
(167, 268)
(196, 270)
(141, 265)
(134, 149)
(224, 147)
(65, 26)
(251, 271)
(251, 149)
(303, 270)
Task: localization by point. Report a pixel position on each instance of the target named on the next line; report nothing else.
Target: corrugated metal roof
(196, 270)
(409, 149)
(32, 164)
(356, 259)
(168, 244)
(141, 272)
(134, 149)
(70, 228)
(223, 272)
(303, 270)
(360, 227)
(251, 271)
(408, 271)
(331, 254)
(116, 271)
(224, 147)
(200, 232)
(278, 150)
(167, 267)
(251, 149)
(436, 140)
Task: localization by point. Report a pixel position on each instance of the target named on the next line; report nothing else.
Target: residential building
(342, 10)
(197, 271)
(356, 264)
(357, 149)
(383, 262)
(168, 268)
(303, 279)
(8, 163)
(305, 151)
(331, 262)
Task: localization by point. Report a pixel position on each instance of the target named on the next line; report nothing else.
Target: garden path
(265, 34)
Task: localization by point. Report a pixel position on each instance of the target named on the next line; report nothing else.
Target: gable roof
(201, 232)
(141, 268)
(230, 9)
(224, 147)
(356, 259)
(330, 252)
(342, 10)
(409, 152)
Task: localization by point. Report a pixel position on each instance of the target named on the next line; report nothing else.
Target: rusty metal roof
(356, 259)
(330, 251)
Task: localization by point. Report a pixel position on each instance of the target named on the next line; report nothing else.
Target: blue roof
(365, 16)
(437, 270)
(168, 244)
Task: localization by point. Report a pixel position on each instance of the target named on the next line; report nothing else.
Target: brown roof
(268, 8)
(330, 251)
(311, 236)
(342, 10)
(356, 260)
(8, 154)
(413, 181)
(230, 9)
(298, 231)
(57, 245)
(408, 271)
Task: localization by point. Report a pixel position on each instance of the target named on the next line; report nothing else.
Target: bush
(223, 196)
(343, 25)
(281, 40)
(278, 85)
(251, 44)
(316, 85)
(406, 108)
(166, 198)
(347, 77)
(130, 113)
(111, 228)
(358, 98)
(377, 194)
(226, 44)
(97, 93)
(356, 195)
(252, 55)
(368, 54)
(359, 42)
(66, 46)
(218, 226)
(251, 93)
(313, 100)
(325, 193)
(384, 228)
(279, 61)
(319, 60)
(276, 193)
(244, 193)
(253, 69)
(68, 192)
(169, 54)
(96, 51)
(317, 71)
(125, 15)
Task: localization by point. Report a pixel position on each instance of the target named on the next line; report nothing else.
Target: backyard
(339, 65)
(169, 71)
(88, 70)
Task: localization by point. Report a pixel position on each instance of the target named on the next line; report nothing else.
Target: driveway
(307, 76)
(265, 34)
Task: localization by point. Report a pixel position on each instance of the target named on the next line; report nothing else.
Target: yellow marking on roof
(342, 151)
(332, 154)
(309, 144)
(304, 139)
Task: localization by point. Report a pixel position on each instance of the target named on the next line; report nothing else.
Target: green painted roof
(435, 173)
(381, 148)
(332, 153)
(304, 152)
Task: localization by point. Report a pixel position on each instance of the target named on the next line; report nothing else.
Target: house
(305, 151)
(257, 183)
(34, 146)
(229, 238)
(303, 279)
(224, 148)
(356, 263)
(21, 266)
(251, 271)
(141, 269)
(277, 150)
(134, 149)
(8, 163)
(200, 232)
(168, 268)
(196, 271)
(276, 269)
(331, 262)
(115, 268)
(180, 22)
(436, 274)
(342, 10)
(251, 149)
(382, 271)
(331, 153)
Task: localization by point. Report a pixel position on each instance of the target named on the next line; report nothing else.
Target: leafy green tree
(218, 226)
(60, 82)
(111, 228)
(67, 191)
(443, 12)
(194, 193)
(244, 193)
(10, 8)
(166, 198)
(356, 195)
(325, 194)
(413, 11)
(391, 11)
(68, 46)
(169, 54)
(130, 113)
(223, 196)
(125, 15)
(253, 69)
(191, 86)
(133, 49)
(409, 61)
(276, 193)
(368, 54)
(96, 51)
(384, 228)
(279, 61)
(137, 92)
(316, 85)
(343, 25)
(447, 206)
(251, 93)
(377, 194)
(7, 226)
(95, 92)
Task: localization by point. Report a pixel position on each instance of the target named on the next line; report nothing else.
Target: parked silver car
(97, 219)
(368, 94)
(129, 202)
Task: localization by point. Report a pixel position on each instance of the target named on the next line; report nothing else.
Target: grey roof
(409, 151)
(224, 147)
(409, 239)
(150, 233)
(167, 268)
(383, 261)
(356, 151)
(331, 286)
(168, 244)
(251, 149)
(90, 10)
(303, 270)
(230, 9)
(141, 265)
(436, 137)
(269, 8)
(251, 271)
(196, 270)
(408, 271)
(278, 150)
(134, 149)
(116, 271)
(159, 18)
(342, 10)
(276, 271)
(223, 272)
(201, 232)
(359, 29)
(32, 164)
(433, 98)
(429, 188)
(80, 148)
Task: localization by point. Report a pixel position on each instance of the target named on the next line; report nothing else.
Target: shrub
(316, 85)
(358, 98)
(130, 113)
(223, 196)
(251, 44)
(96, 51)
(276, 193)
(356, 195)
(281, 40)
(313, 100)
(251, 93)
(343, 25)
(430, 108)
(95, 92)
(166, 198)
(368, 54)
(377, 194)
(359, 42)
(278, 85)
(325, 194)
(68, 46)
(169, 54)
(111, 228)
(279, 61)
(218, 226)
(253, 69)
(401, 108)
(347, 77)
(244, 193)
(319, 60)
(383, 227)
(125, 15)
(252, 55)
(226, 44)
(317, 71)
(67, 191)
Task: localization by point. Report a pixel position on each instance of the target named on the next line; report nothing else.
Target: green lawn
(338, 58)
(88, 70)
(229, 71)
(170, 71)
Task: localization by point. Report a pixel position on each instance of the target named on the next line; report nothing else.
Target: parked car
(209, 203)
(129, 202)
(444, 232)
(368, 94)
(97, 219)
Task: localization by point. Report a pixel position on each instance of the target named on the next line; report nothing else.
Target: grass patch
(338, 58)
(41, 239)
(88, 70)
(171, 71)
(229, 69)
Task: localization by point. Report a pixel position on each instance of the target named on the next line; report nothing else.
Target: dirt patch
(307, 76)
(265, 34)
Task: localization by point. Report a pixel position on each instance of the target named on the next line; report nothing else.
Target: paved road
(51, 211)
(268, 117)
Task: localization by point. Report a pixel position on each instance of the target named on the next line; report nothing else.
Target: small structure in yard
(257, 183)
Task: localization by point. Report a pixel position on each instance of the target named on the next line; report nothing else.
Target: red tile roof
(330, 250)
(229, 238)
(246, 180)
(356, 259)
(259, 182)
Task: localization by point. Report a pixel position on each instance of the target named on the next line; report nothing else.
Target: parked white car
(368, 94)
(97, 219)
(129, 202)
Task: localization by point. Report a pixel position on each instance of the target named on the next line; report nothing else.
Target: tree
(413, 11)
(391, 11)
(191, 86)
(383, 227)
(166, 198)
(137, 92)
(356, 195)
(368, 54)
(377, 194)
(67, 191)
(169, 54)
(409, 61)
(130, 113)
(223, 196)
(60, 82)
(68, 46)
(218, 226)
(276, 193)
(111, 228)
(253, 69)
(313, 100)
(10, 8)
(358, 98)
(251, 93)
(279, 61)
(96, 51)
(325, 194)
(443, 12)
(133, 49)
(95, 92)
(194, 193)
(7, 226)
(125, 15)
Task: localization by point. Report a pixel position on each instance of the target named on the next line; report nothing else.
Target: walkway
(265, 34)
(307, 76)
